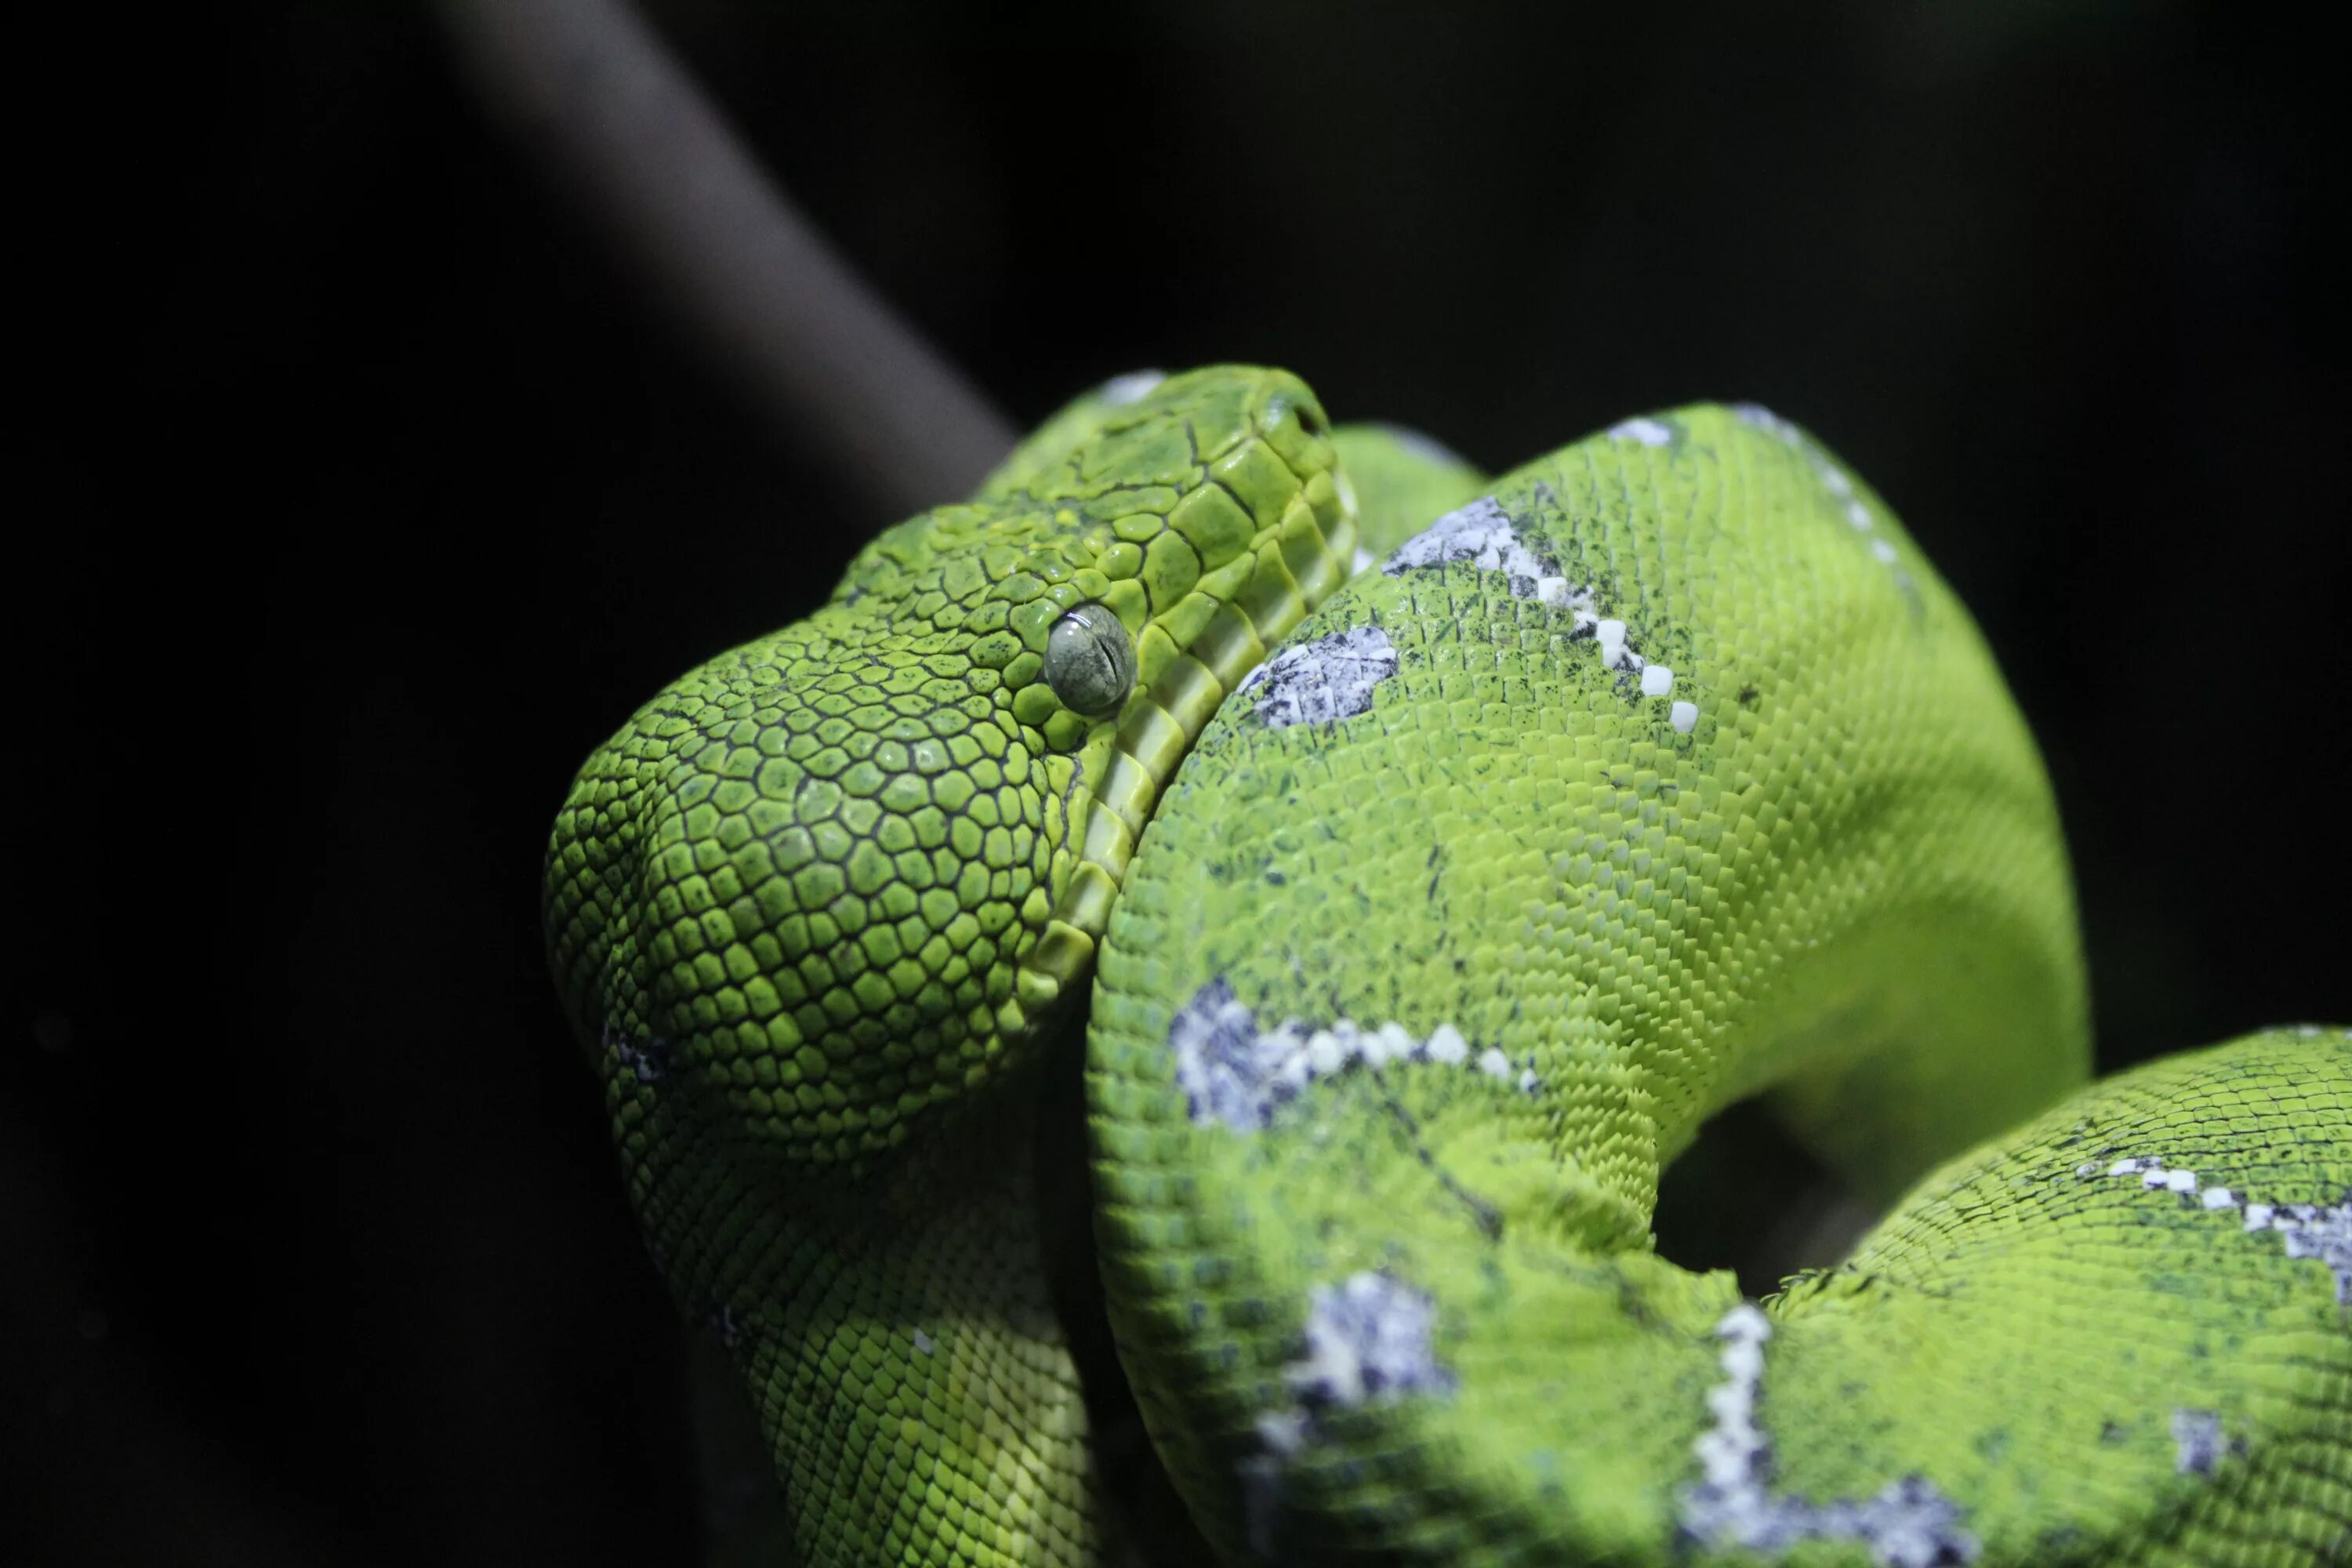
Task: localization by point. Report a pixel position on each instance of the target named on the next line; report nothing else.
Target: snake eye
(1089, 663)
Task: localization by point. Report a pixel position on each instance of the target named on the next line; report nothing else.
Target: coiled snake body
(1428, 909)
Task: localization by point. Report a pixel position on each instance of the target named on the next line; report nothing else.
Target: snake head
(850, 870)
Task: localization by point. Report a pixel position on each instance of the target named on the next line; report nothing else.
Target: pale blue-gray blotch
(644, 1056)
(1370, 1340)
(1236, 1074)
(1320, 681)
(2306, 1230)
(1133, 387)
(1647, 431)
(1833, 479)
(726, 1326)
(1483, 534)
(2197, 1443)
(1771, 423)
(1909, 1523)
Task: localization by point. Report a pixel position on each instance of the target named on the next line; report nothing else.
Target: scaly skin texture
(1667, 774)
(1435, 954)
(816, 908)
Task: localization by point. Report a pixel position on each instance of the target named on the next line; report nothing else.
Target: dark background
(382, 495)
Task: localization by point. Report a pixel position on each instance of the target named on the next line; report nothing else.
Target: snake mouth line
(1296, 563)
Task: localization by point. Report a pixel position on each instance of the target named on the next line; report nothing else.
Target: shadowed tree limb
(595, 95)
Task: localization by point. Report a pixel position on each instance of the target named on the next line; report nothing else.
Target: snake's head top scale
(850, 869)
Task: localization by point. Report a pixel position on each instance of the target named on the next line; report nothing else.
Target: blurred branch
(589, 90)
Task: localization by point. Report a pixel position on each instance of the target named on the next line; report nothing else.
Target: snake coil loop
(1417, 916)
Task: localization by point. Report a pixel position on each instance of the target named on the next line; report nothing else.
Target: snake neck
(1192, 662)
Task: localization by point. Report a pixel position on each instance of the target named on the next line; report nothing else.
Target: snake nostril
(1309, 420)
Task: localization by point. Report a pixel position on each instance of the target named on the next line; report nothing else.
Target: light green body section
(1661, 773)
(1842, 883)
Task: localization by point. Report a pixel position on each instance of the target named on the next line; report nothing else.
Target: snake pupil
(1089, 662)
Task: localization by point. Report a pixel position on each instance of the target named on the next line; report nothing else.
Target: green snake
(1417, 860)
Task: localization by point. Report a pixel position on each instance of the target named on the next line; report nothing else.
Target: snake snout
(851, 883)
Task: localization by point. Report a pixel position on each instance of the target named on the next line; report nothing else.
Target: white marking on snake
(1833, 478)
(2198, 1445)
(1133, 387)
(1481, 534)
(1909, 1524)
(1235, 1073)
(1322, 682)
(1368, 1343)
(724, 1324)
(1686, 717)
(923, 1342)
(646, 1056)
(1362, 561)
(2308, 1230)
(1649, 432)
(1764, 419)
